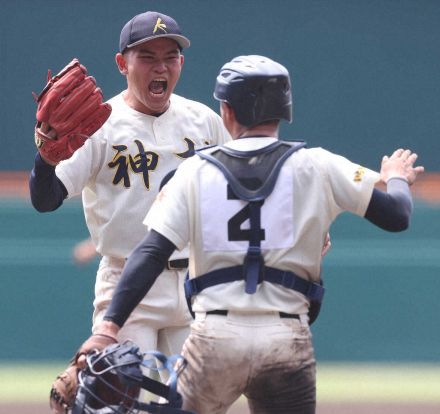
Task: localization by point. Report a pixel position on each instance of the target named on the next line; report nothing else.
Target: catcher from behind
(70, 109)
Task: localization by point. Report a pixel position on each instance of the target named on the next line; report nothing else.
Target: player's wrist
(48, 162)
(107, 328)
(396, 177)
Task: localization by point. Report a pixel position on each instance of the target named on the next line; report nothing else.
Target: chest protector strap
(253, 185)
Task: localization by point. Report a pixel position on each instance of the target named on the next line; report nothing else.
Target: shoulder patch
(359, 173)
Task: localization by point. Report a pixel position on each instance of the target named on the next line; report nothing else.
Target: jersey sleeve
(76, 171)
(169, 214)
(351, 185)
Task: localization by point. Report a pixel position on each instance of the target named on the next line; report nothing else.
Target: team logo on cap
(159, 26)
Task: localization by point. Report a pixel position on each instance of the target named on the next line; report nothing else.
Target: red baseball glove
(70, 110)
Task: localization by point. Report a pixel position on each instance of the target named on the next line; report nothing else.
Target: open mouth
(158, 86)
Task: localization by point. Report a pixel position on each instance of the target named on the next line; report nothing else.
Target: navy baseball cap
(148, 26)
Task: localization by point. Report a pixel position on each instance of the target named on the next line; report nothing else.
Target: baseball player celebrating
(118, 171)
(256, 212)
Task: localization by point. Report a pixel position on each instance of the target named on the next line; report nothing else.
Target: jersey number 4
(235, 231)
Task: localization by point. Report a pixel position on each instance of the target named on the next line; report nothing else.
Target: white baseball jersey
(119, 170)
(314, 186)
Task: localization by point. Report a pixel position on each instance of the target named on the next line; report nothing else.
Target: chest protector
(252, 176)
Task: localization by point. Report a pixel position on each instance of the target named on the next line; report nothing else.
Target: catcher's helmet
(257, 88)
(113, 379)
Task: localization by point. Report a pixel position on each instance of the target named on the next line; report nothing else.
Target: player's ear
(121, 62)
(227, 112)
(228, 116)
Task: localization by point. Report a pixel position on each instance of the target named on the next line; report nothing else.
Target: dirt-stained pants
(268, 359)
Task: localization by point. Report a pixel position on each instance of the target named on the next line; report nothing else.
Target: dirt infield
(240, 408)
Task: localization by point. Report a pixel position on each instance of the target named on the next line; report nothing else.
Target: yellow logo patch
(159, 25)
(359, 173)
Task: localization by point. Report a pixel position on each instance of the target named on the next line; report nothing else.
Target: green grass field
(379, 383)
(336, 383)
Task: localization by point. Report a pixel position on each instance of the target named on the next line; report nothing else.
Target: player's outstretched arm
(391, 210)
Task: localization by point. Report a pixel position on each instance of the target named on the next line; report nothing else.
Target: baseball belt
(177, 264)
(224, 312)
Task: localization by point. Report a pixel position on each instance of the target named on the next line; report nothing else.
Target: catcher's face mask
(113, 379)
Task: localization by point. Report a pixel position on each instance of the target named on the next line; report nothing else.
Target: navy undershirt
(391, 210)
(152, 253)
(46, 189)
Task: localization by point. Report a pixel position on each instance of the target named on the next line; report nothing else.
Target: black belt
(177, 264)
(225, 313)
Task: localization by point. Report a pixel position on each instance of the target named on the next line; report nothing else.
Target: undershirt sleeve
(142, 268)
(46, 189)
(391, 210)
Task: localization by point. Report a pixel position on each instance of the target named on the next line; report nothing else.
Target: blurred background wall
(366, 80)
(365, 74)
(381, 302)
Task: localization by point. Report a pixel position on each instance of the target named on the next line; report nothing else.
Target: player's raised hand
(400, 165)
(69, 110)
